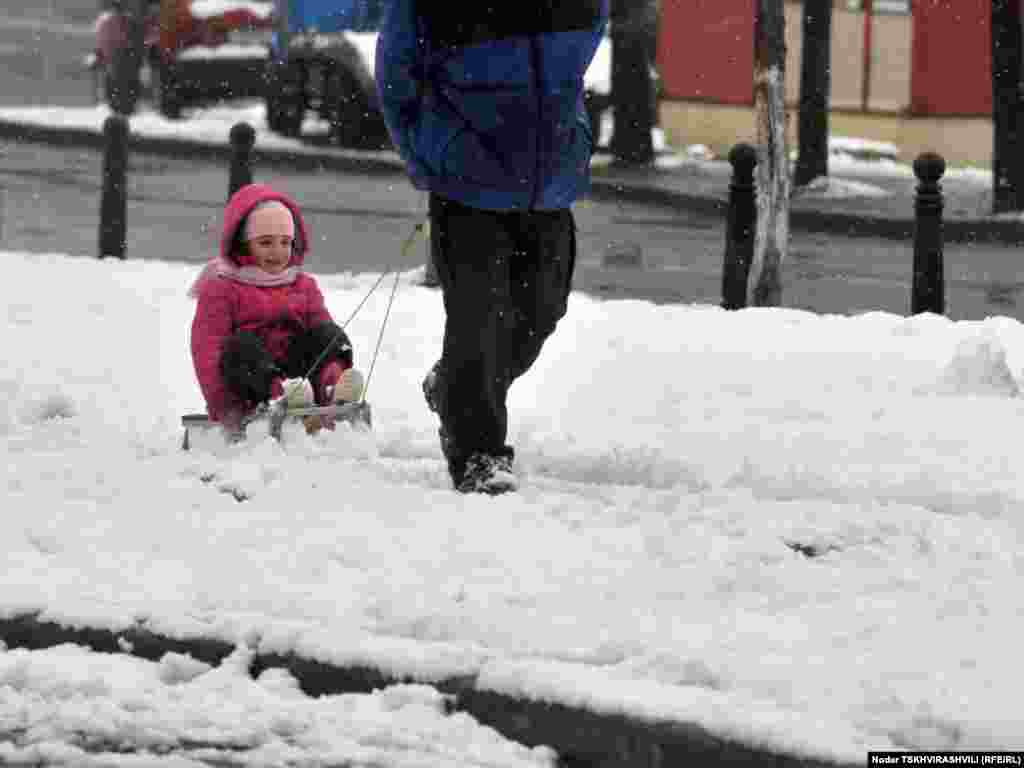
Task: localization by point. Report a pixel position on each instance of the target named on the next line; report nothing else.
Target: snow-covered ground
(207, 125)
(852, 162)
(69, 707)
(204, 9)
(800, 531)
(212, 125)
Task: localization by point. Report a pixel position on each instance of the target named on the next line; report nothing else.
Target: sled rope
(295, 385)
(380, 337)
(421, 228)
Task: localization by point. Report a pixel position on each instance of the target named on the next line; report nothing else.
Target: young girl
(260, 319)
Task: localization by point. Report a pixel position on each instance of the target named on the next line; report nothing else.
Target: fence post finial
(928, 293)
(741, 224)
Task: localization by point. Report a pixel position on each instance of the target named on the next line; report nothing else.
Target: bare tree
(633, 100)
(1007, 163)
(815, 87)
(764, 284)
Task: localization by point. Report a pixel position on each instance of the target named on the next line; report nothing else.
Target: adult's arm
(399, 76)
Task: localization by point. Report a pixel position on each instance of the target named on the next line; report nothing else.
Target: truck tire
(106, 85)
(346, 108)
(285, 98)
(165, 88)
(121, 100)
(596, 105)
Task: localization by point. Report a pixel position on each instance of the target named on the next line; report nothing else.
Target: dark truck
(304, 58)
(322, 64)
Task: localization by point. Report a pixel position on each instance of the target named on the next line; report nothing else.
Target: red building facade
(706, 53)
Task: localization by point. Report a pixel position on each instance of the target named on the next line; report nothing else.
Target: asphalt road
(50, 202)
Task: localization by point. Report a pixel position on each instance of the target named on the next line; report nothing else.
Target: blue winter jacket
(484, 99)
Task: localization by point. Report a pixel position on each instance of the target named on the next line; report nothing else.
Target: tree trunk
(815, 87)
(632, 91)
(764, 285)
(1007, 164)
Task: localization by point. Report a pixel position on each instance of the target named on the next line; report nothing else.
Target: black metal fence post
(741, 224)
(243, 138)
(114, 196)
(928, 292)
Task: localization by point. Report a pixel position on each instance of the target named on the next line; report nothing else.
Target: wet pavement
(51, 199)
(847, 254)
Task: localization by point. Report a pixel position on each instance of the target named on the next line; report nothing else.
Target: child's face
(271, 253)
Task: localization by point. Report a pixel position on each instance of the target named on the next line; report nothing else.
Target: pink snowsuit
(226, 306)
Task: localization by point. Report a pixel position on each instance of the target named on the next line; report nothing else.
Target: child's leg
(307, 356)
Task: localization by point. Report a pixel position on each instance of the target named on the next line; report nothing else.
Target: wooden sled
(357, 414)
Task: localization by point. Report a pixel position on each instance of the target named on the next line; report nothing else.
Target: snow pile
(831, 188)
(70, 707)
(204, 9)
(979, 367)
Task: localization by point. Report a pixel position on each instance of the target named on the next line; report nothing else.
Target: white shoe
(298, 393)
(350, 387)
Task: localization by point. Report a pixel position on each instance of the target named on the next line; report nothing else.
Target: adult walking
(484, 101)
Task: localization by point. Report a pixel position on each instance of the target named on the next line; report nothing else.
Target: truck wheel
(106, 85)
(165, 89)
(596, 105)
(123, 101)
(346, 108)
(285, 99)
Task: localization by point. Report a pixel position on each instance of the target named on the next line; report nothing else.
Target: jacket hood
(239, 206)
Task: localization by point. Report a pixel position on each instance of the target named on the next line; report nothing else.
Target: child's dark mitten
(248, 368)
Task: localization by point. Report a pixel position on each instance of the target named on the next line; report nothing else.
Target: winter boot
(432, 394)
(488, 474)
(337, 385)
(430, 388)
(297, 392)
(340, 385)
(349, 387)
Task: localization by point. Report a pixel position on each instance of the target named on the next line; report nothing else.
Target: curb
(582, 739)
(826, 222)
(959, 231)
(60, 136)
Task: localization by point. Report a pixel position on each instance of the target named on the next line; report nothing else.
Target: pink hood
(238, 207)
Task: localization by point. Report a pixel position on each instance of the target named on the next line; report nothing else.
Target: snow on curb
(585, 731)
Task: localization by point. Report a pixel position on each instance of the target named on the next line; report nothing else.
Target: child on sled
(260, 319)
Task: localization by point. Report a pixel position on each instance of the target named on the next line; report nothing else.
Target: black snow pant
(506, 278)
(249, 369)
